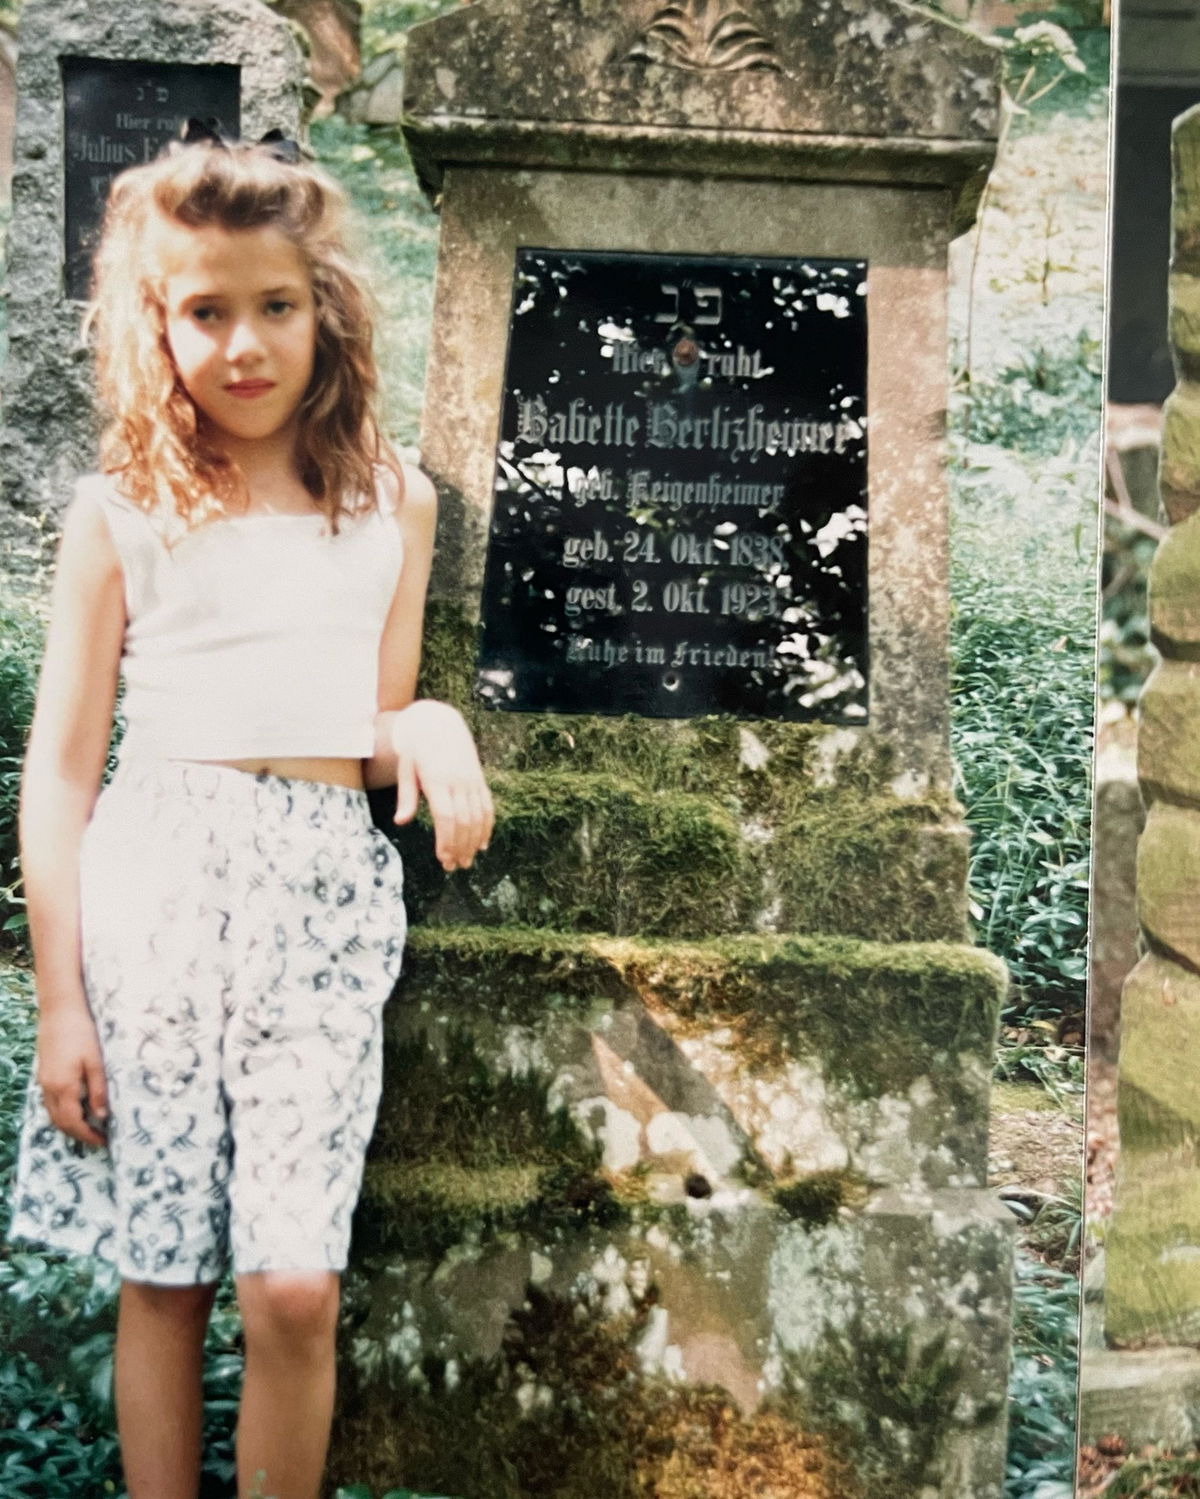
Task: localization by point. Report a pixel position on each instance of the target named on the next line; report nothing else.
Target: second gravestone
(100, 89)
(680, 1171)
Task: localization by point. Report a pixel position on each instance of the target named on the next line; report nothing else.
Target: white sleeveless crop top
(254, 635)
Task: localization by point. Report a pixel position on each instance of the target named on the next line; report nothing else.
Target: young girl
(215, 933)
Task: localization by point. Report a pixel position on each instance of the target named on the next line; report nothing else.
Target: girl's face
(241, 325)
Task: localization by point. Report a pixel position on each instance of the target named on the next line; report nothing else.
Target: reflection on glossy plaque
(680, 515)
(119, 114)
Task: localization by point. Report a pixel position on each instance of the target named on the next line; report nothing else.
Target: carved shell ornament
(703, 36)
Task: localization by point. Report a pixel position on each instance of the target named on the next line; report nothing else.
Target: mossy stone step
(874, 1013)
(588, 851)
(601, 853)
(736, 1060)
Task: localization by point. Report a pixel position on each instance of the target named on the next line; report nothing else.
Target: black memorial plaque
(680, 514)
(118, 114)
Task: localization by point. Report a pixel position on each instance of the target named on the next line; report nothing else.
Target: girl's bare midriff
(334, 772)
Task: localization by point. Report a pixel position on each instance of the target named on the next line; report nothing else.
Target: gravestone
(1116, 826)
(100, 88)
(681, 1161)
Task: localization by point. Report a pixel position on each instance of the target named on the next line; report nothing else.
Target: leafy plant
(1048, 397)
(1159, 1473)
(1022, 730)
(1041, 1391)
(21, 638)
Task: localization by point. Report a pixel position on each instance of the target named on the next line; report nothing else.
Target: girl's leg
(159, 1366)
(290, 1317)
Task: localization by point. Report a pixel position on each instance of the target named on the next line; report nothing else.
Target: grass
(1023, 586)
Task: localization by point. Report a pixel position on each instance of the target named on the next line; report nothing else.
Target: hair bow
(209, 131)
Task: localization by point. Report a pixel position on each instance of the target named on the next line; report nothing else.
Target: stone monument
(680, 1169)
(1152, 1283)
(101, 88)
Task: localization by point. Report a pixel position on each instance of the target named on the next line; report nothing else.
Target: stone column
(1152, 1272)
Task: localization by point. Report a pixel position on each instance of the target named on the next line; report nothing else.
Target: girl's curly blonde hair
(155, 440)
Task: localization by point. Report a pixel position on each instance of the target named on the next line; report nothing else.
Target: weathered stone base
(741, 1061)
(1146, 1396)
(879, 1337)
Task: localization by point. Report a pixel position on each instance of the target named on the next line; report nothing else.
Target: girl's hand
(71, 1072)
(437, 756)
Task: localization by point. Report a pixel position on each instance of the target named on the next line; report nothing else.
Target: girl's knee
(293, 1305)
(183, 1305)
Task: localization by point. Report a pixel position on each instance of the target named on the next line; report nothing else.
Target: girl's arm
(64, 763)
(424, 746)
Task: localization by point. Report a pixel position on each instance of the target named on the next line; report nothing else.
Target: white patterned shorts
(240, 935)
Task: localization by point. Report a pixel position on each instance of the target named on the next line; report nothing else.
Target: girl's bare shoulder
(414, 503)
(87, 546)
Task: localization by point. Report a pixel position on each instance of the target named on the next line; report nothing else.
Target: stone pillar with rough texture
(1116, 826)
(1152, 1271)
(681, 1162)
(49, 433)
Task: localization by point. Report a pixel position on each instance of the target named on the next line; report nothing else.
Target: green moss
(464, 1192)
(1146, 1123)
(599, 853)
(872, 866)
(448, 650)
(873, 1016)
(1019, 1098)
(566, 1411)
(460, 1150)
(794, 768)
(1152, 1272)
(816, 1198)
(448, 1105)
(603, 853)
(419, 1211)
(513, 975)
